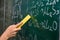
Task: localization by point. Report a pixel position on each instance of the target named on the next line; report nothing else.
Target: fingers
(14, 34)
(14, 29)
(19, 24)
(17, 29)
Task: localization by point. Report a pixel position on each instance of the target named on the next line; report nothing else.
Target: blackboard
(44, 22)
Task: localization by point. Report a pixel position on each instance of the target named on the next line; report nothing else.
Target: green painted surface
(44, 24)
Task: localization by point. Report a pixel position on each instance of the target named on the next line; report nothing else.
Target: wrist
(4, 36)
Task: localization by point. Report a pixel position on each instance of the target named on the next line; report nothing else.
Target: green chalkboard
(44, 22)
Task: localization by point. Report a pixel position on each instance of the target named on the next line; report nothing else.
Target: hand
(11, 31)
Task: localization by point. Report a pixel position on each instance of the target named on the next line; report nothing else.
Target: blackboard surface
(44, 24)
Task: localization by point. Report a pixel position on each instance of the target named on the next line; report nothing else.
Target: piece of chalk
(24, 21)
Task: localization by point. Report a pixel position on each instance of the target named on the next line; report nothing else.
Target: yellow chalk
(24, 21)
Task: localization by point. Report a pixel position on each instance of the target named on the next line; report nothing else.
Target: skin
(10, 32)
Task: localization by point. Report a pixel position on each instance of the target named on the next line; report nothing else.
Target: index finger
(19, 25)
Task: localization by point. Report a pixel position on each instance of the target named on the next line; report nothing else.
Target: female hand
(10, 31)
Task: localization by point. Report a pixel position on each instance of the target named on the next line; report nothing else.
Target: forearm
(3, 36)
